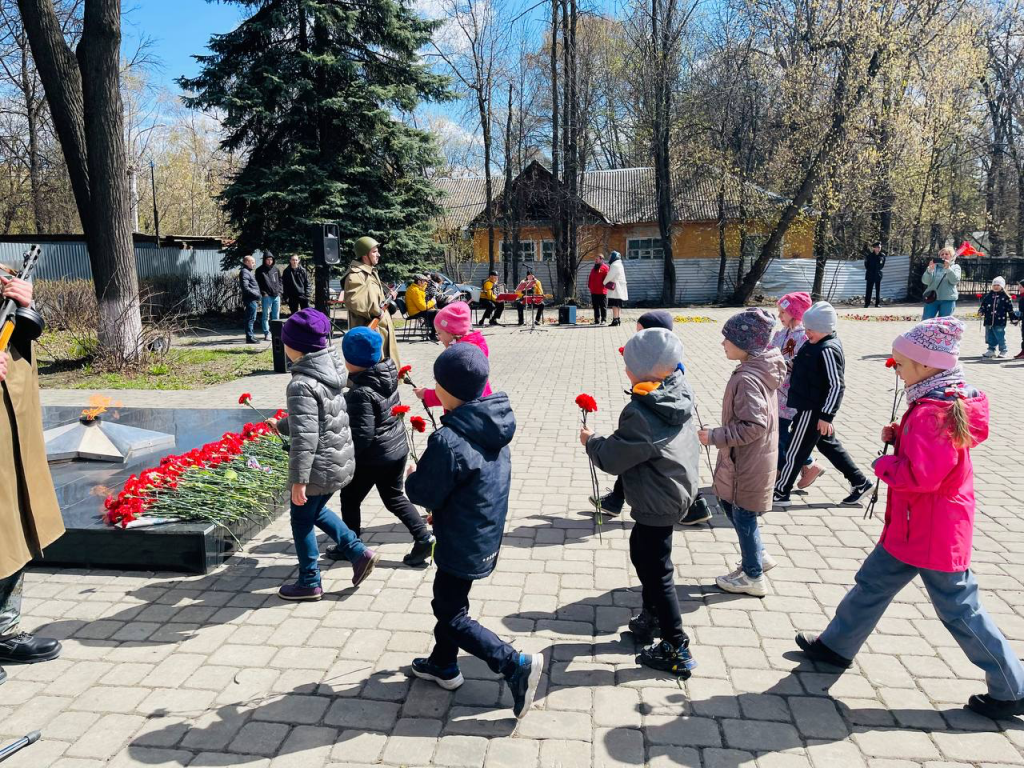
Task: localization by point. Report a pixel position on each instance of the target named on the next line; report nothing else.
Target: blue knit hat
(361, 347)
(462, 370)
(306, 331)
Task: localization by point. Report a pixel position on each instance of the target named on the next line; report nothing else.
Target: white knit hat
(1000, 281)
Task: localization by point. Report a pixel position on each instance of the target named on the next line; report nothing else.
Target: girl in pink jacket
(929, 520)
(454, 323)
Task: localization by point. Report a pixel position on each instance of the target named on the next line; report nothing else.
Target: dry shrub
(67, 305)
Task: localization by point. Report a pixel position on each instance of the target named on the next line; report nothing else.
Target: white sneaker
(989, 353)
(767, 563)
(1000, 354)
(742, 584)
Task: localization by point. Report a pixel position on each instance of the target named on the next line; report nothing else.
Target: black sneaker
(815, 650)
(24, 648)
(250, 340)
(858, 493)
(421, 551)
(448, 678)
(611, 505)
(698, 512)
(645, 626)
(997, 709)
(666, 657)
(524, 682)
(781, 500)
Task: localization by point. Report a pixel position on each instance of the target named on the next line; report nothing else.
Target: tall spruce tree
(311, 93)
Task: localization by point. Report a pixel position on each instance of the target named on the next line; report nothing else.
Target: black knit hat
(462, 370)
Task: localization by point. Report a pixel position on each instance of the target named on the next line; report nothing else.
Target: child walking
(454, 324)
(381, 447)
(655, 451)
(996, 308)
(816, 392)
(464, 477)
(788, 341)
(929, 520)
(1019, 316)
(748, 441)
(321, 458)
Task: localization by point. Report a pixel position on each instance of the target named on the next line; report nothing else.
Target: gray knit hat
(750, 330)
(653, 354)
(821, 318)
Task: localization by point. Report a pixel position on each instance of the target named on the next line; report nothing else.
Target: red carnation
(418, 423)
(890, 363)
(400, 410)
(586, 403)
(622, 350)
(405, 369)
(244, 398)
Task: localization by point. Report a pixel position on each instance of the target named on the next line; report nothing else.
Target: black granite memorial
(82, 486)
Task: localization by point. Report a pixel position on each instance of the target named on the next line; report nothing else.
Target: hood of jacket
(488, 422)
(476, 339)
(322, 365)
(381, 378)
(977, 412)
(672, 402)
(769, 367)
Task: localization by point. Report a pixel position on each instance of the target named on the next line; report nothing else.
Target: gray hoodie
(322, 455)
(655, 449)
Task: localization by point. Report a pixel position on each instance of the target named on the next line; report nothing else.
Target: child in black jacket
(464, 477)
(996, 308)
(816, 392)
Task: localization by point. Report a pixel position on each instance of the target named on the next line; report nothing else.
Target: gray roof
(624, 196)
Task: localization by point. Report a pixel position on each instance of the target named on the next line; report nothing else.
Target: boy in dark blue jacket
(464, 477)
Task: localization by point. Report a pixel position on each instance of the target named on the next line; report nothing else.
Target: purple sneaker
(296, 592)
(363, 567)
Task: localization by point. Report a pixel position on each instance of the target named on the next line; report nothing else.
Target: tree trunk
(820, 255)
(661, 40)
(555, 200)
(32, 126)
(723, 254)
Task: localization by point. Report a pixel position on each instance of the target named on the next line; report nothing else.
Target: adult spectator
(418, 305)
(489, 301)
(269, 278)
(598, 290)
(940, 280)
(615, 282)
(874, 263)
(250, 296)
(30, 518)
(366, 299)
(295, 281)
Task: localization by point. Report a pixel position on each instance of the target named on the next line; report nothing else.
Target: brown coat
(364, 298)
(748, 440)
(29, 514)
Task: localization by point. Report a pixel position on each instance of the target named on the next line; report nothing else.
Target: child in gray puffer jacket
(321, 460)
(655, 450)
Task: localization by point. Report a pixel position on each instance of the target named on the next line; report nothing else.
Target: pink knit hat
(456, 319)
(796, 304)
(934, 342)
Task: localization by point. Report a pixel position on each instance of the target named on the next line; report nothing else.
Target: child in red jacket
(929, 520)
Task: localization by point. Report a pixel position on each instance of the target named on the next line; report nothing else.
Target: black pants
(295, 303)
(540, 313)
(455, 629)
(427, 317)
(390, 481)
(876, 283)
(804, 440)
(492, 309)
(650, 551)
(600, 301)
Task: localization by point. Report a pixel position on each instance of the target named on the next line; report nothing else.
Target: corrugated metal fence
(697, 279)
(70, 260)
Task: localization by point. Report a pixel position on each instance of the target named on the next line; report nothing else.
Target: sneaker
(24, 648)
(494, 322)
(250, 340)
(668, 658)
(988, 353)
(363, 567)
(611, 505)
(296, 592)
(781, 500)
(1019, 355)
(740, 583)
(524, 681)
(999, 355)
(767, 562)
(997, 709)
(645, 626)
(448, 678)
(815, 650)
(857, 494)
(698, 512)
(421, 551)
(809, 474)
(266, 337)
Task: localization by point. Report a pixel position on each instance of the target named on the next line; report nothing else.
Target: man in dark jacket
(268, 277)
(874, 262)
(250, 296)
(464, 477)
(295, 283)
(379, 439)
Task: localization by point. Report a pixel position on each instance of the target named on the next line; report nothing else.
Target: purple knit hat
(750, 330)
(306, 331)
(934, 342)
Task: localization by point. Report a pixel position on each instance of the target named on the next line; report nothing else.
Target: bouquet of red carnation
(416, 424)
(405, 376)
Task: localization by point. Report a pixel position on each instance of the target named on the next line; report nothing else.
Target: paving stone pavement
(163, 669)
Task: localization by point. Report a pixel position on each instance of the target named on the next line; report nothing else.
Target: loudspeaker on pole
(325, 244)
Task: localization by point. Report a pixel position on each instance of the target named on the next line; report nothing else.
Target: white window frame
(644, 249)
(548, 245)
(523, 246)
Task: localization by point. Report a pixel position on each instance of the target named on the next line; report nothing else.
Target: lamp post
(156, 213)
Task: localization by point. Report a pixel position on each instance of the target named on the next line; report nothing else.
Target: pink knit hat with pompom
(934, 342)
(456, 319)
(796, 304)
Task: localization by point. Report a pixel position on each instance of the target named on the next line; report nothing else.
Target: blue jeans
(304, 518)
(745, 523)
(943, 308)
(995, 336)
(271, 304)
(785, 438)
(955, 599)
(252, 308)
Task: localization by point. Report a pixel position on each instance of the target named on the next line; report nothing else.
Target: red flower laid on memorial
(586, 403)
(400, 410)
(418, 423)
